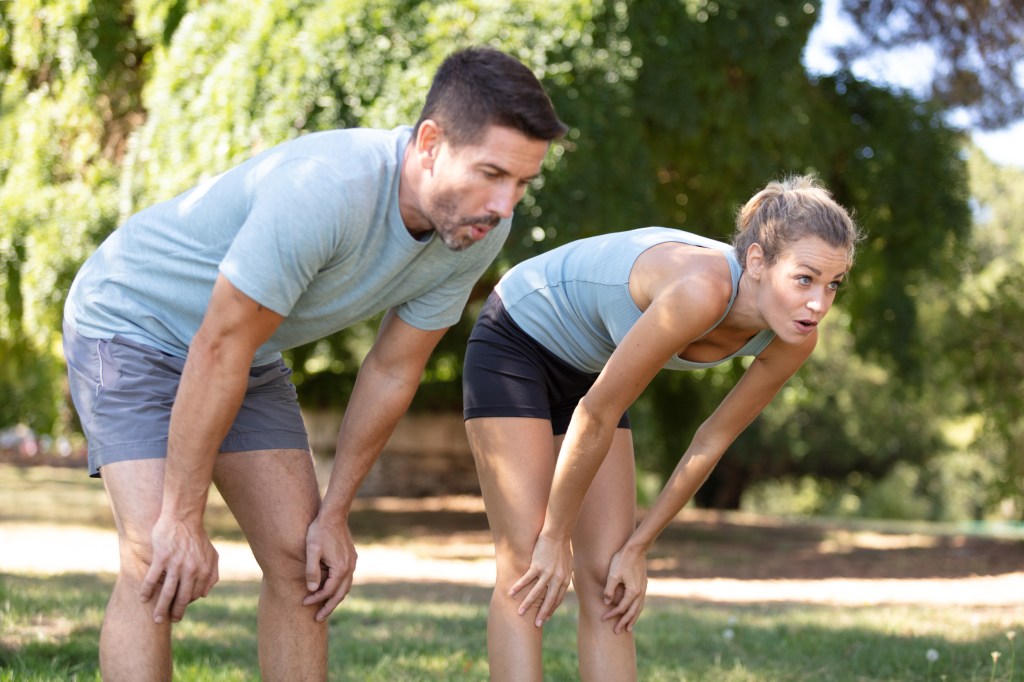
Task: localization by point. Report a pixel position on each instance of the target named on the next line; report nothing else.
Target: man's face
(476, 185)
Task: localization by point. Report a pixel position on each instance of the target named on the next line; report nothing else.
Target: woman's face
(800, 287)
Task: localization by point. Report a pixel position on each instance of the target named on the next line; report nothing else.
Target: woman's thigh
(515, 460)
(608, 515)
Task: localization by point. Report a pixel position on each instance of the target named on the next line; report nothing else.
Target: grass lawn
(49, 625)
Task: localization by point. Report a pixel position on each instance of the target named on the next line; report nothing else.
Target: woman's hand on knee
(550, 571)
(626, 588)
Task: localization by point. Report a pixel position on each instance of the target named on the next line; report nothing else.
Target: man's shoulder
(368, 139)
(350, 153)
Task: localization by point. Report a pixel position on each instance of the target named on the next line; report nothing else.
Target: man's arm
(211, 391)
(384, 388)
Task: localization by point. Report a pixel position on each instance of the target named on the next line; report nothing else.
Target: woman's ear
(755, 263)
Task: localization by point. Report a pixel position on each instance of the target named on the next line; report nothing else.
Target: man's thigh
(274, 496)
(135, 490)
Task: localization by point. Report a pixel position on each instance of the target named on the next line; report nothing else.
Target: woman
(568, 340)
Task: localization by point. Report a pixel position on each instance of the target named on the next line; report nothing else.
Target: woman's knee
(588, 580)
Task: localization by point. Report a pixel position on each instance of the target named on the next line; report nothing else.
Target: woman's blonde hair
(788, 210)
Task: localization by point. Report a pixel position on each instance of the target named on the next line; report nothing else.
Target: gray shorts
(123, 392)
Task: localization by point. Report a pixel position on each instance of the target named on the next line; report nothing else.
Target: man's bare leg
(274, 496)
(132, 646)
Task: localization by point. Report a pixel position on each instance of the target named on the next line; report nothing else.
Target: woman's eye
(803, 279)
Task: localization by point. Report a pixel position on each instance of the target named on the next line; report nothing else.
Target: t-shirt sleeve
(289, 234)
(442, 306)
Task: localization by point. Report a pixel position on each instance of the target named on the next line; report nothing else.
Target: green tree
(980, 335)
(69, 86)
(679, 112)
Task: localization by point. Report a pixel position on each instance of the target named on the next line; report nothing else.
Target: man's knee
(136, 554)
(284, 565)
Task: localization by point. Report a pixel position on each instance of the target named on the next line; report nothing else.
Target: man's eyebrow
(501, 171)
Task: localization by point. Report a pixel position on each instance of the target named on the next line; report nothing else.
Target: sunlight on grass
(842, 541)
(51, 626)
(398, 631)
(783, 643)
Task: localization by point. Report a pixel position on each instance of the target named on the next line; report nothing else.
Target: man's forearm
(378, 401)
(211, 391)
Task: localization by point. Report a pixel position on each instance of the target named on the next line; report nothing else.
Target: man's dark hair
(478, 87)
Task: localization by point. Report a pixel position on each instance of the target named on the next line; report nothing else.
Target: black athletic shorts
(508, 374)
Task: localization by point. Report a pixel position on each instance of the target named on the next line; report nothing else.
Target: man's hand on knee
(330, 564)
(184, 568)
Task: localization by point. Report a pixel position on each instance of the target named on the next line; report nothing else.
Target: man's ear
(429, 138)
(755, 262)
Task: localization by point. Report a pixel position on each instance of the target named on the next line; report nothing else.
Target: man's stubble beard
(442, 213)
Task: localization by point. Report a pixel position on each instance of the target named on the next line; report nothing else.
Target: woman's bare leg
(515, 459)
(607, 518)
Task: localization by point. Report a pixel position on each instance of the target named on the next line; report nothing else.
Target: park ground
(55, 521)
(732, 597)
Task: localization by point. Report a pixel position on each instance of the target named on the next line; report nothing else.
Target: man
(174, 327)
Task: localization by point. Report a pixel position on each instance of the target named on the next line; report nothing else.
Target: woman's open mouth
(806, 326)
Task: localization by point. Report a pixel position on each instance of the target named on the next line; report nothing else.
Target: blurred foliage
(679, 111)
(977, 48)
(980, 334)
(67, 99)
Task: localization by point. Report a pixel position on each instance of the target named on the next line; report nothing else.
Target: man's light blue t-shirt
(311, 229)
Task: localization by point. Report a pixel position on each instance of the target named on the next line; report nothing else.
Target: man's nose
(503, 200)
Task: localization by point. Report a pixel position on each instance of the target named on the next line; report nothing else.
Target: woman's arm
(755, 389)
(660, 333)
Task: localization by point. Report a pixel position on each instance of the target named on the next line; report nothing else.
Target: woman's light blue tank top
(575, 301)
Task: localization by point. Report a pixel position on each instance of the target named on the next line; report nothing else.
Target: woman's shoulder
(685, 276)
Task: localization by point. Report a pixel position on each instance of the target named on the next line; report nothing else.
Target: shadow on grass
(765, 550)
(378, 524)
(50, 630)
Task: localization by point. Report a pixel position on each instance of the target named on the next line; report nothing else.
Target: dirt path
(704, 557)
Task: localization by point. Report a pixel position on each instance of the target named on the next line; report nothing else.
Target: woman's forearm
(583, 451)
